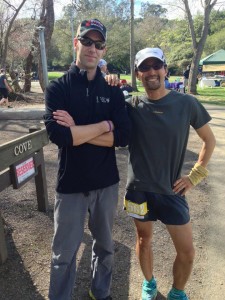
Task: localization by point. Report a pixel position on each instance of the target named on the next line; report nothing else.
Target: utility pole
(72, 32)
(43, 55)
(133, 78)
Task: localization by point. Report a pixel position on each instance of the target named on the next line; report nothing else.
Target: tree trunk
(192, 82)
(197, 46)
(28, 70)
(15, 82)
(47, 20)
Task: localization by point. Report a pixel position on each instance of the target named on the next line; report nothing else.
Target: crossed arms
(99, 134)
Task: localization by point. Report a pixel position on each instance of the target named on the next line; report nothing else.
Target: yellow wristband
(197, 174)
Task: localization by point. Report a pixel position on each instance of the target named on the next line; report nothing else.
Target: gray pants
(69, 219)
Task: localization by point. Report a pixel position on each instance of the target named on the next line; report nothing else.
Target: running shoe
(93, 297)
(175, 294)
(149, 290)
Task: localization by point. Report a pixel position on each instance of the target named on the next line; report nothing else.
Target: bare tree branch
(10, 5)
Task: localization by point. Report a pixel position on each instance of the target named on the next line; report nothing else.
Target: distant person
(156, 189)
(34, 76)
(86, 118)
(125, 86)
(186, 77)
(167, 83)
(103, 66)
(4, 89)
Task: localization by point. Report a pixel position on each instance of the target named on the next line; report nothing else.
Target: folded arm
(97, 134)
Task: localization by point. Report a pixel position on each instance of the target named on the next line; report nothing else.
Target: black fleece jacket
(85, 167)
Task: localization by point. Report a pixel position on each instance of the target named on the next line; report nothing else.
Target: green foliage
(60, 52)
(215, 42)
(217, 21)
(198, 25)
(152, 29)
(148, 9)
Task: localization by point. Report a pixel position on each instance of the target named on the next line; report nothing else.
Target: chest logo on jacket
(102, 99)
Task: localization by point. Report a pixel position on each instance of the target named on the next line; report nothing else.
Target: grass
(54, 75)
(208, 95)
(215, 95)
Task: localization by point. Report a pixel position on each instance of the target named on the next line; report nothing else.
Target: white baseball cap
(102, 63)
(148, 53)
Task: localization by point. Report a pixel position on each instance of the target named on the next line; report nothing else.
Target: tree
(47, 19)
(151, 30)
(114, 15)
(18, 49)
(198, 41)
(8, 13)
(152, 10)
(198, 45)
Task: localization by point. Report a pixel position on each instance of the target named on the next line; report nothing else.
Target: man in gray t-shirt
(155, 188)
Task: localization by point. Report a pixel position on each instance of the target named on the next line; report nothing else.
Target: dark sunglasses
(87, 42)
(146, 68)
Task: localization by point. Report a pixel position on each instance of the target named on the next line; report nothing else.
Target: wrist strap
(110, 126)
(197, 174)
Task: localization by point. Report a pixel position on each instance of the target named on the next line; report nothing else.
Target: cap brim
(148, 56)
(91, 29)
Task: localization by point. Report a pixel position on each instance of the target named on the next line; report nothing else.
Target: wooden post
(3, 248)
(40, 182)
(40, 178)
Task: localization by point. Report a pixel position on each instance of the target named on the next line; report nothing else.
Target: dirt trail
(214, 275)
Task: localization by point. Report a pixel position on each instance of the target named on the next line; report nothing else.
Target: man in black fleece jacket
(86, 118)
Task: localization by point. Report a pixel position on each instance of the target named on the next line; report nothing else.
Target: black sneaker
(10, 106)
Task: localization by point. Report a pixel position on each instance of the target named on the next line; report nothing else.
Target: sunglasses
(87, 42)
(146, 68)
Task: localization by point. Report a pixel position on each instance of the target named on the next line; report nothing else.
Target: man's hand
(112, 79)
(63, 118)
(182, 185)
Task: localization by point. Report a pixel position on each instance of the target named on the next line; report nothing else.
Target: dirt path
(25, 275)
(214, 275)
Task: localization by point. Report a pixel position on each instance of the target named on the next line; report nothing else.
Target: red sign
(25, 169)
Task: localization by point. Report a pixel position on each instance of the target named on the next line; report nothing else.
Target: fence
(21, 160)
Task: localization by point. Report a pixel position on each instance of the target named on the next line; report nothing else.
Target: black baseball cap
(92, 24)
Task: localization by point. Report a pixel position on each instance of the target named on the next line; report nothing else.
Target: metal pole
(43, 55)
(132, 55)
(72, 32)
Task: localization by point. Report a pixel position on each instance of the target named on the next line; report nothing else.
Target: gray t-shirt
(159, 137)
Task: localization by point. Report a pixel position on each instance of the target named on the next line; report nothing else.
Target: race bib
(135, 209)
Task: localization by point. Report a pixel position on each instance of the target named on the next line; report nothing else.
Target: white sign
(25, 169)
